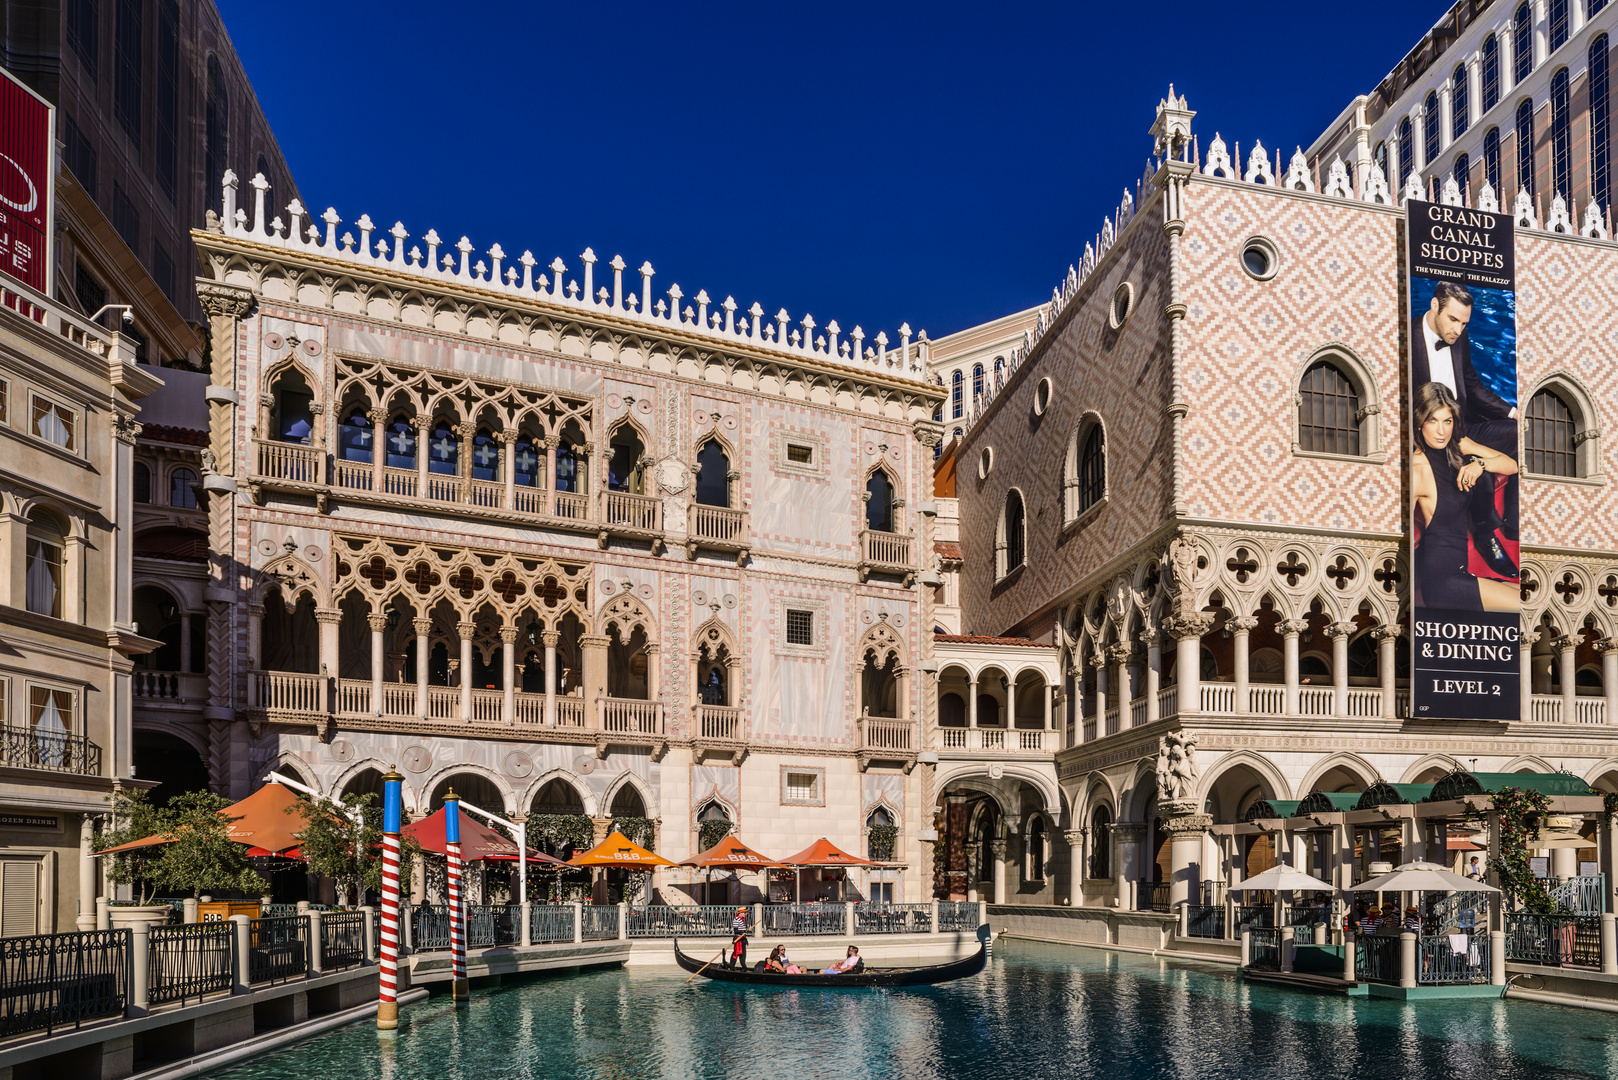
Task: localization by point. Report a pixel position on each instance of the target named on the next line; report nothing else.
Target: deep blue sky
(941, 163)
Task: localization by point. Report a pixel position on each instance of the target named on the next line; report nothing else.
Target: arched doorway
(171, 761)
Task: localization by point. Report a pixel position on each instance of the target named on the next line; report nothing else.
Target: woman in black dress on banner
(1449, 460)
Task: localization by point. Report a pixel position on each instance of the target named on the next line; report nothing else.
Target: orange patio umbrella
(823, 853)
(616, 850)
(260, 821)
(731, 852)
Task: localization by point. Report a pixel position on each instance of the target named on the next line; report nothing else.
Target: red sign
(27, 138)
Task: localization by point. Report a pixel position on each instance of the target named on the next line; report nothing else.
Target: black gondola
(963, 968)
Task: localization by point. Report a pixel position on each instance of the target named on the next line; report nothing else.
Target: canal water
(1036, 1012)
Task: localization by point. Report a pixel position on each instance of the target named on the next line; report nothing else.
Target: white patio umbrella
(1421, 877)
(1282, 877)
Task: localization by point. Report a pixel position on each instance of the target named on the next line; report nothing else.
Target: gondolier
(738, 940)
(963, 968)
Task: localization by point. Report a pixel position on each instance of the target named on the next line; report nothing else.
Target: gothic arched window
(1328, 411)
(1407, 150)
(1429, 130)
(1525, 146)
(1490, 74)
(1491, 158)
(1548, 438)
(1561, 139)
(1012, 540)
(879, 502)
(1459, 113)
(401, 449)
(713, 475)
(1522, 43)
(1600, 123)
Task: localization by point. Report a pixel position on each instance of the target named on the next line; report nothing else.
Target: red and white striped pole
(387, 1004)
(457, 911)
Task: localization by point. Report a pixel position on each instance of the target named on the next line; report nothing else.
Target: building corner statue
(1177, 773)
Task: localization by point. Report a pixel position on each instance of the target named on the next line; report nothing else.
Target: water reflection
(1036, 1012)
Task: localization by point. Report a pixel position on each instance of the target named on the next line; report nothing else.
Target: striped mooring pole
(457, 911)
(387, 1004)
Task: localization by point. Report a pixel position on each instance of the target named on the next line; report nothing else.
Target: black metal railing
(278, 949)
(342, 939)
(871, 918)
(1304, 918)
(809, 919)
(1205, 921)
(49, 981)
(668, 921)
(1261, 916)
(1264, 948)
(429, 927)
(1560, 940)
(1452, 958)
(550, 923)
(30, 748)
(1156, 895)
(599, 922)
(1377, 959)
(957, 916)
(186, 962)
(479, 925)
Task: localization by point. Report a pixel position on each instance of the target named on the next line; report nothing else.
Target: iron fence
(805, 919)
(667, 921)
(342, 939)
(49, 981)
(479, 925)
(599, 922)
(190, 961)
(1205, 921)
(30, 748)
(1452, 958)
(278, 949)
(1585, 895)
(1157, 895)
(1306, 918)
(1258, 916)
(429, 927)
(957, 916)
(1377, 959)
(893, 918)
(550, 923)
(1264, 948)
(1558, 940)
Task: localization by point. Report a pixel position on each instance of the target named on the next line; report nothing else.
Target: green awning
(1271, 808)
(1383, 793)
(1461, 783)
(1326, 802)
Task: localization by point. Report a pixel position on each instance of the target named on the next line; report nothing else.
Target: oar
(706, 966)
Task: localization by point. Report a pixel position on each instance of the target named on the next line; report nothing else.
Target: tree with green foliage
(344, 842)
(202, 858)
(134, 817)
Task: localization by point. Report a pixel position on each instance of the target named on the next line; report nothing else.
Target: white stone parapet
(727, 324)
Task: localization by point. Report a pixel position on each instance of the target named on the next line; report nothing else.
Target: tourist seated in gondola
(776, 962)
(848, 965)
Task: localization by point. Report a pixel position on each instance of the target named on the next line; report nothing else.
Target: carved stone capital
(550, 638)
(1188, 625)
(1340, 630)
(998, 848)
(422, 626)
(377, 415)
(1567, 643)
(1388, 632)
(1128, 832)
(1606, 646)
(125, 428)
(1242, 624)
(1291, 627)
(1074, 837)
(333, 616)
(466, 629)
(928, 433)
(508, 635)
(226, 301)
(1120, 652)
(378, 621)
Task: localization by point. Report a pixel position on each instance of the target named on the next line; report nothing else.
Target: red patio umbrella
(478, 841)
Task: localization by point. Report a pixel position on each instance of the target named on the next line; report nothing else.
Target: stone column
(1154, 673)
(1527, 675)
(1120, 654)
(1186, 829)
(593, 648)
(88, 868)
(1446, 131)
(1607, 649)
(424, 432)
(551, 638)
(1542, 34)
(466, 630)
(508, 672)
(1075, 865)
(1099, 662)
(551, 443)
(733, 681)
(1289, 629)
(1241, 629)
(1045, 700)
(972, 702)
(1339, 633)
(379, 626)
(654, 671)
(1387, 638)
(379, 445)
(997, 846)
(1566, 648)
(508, 466)
(423, 659)
(1508, 67)
(1127, 864)
(1187, 631)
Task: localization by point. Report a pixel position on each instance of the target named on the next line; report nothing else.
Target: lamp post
(457, 914)
(387, 1005)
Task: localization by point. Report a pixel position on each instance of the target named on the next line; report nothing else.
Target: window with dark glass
(1092, 469)
(1380, 157)
(83, 37)
(1429, 130)
(355, 438)
(1491, 158)
(1462, 172)
(443, 451)
(168, 97)
(90, 293)
(1556, 18)
(216, 128)
(1328, 411)
(296, 416)
(1014, 521)
(1407, 150)
(525, 461)
(182, 489)
(163, 270)
(999, 372)
(800, 627)
(485, 457)
(879, 502)
(1459, 113)
(1600, 123)
(79, 155)
(127, 87)
(142, 482)
(713, 475)
(1561, 139)
(1548, 437)
(1522, 43)
(125, 218)
(955, 395)
(401, 448)
(567, 468)
(1593, 8)
(1525, 146)
(1489, 74)
(1100, 843)
(977, 381)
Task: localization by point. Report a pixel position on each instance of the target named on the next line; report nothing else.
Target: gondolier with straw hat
(738, 942)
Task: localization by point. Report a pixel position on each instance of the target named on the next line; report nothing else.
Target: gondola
(963, 968)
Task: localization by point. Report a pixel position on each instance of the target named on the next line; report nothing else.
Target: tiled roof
(947, 549)
(165, 433)
(987, 639)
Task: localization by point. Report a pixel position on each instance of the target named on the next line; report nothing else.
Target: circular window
(1042, 396)
(985, 462)
(1123, 304)
(1260, 259)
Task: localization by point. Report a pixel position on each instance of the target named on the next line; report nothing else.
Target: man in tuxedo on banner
(1441, 352)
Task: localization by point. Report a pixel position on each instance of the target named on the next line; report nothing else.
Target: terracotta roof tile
(947, 549)
(988, 639)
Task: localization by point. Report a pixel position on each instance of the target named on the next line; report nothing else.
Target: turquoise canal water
(1036, 1012)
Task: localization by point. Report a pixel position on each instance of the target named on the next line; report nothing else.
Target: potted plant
(134, 818)
(198, 855)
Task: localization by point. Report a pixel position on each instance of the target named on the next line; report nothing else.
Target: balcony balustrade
(717, 527)
(629, 716)
(52, 751)
(286, 691)
(168, 687)
(998, 740)
(291, 463)
(884, 738)
(721, 723)
(634, 513)
(885, 552)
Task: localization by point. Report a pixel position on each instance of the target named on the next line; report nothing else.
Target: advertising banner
(1461, 412)
(27, 144)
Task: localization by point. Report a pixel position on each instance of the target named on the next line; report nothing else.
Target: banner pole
(387, 1004)
(457, 911)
